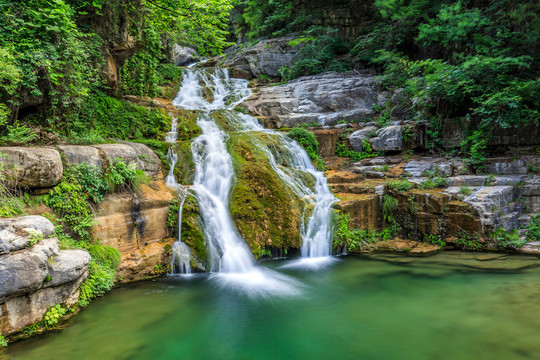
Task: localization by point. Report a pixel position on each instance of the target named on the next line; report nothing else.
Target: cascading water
(181, 255)
(205, 92)
(298, 175)
(231, 261)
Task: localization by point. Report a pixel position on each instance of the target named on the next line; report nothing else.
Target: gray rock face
(77, 154)
(267, 57)
(24, 272)
(15, 232)
(506, 166)
(67, 266)
(356, 139)
(132, 154)
(418, 168)
(147, 160)
(388, 139)
(184, 55)
(33, 167)
(325, 99)
(25, 292)
(495, 206)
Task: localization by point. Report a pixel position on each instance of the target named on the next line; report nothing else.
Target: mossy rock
(266, 212)
(184, 171)
(187, 124)
(192, 231)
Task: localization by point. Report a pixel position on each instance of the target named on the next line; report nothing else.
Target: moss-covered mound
(192, 233)
(264, 209)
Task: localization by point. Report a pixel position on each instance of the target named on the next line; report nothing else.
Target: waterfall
(317, 228)
(181, 255)
(206, 91)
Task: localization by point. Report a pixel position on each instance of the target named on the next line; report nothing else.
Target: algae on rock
(266, 212)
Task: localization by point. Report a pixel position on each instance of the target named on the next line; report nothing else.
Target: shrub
(343, 151)
(52, 316)
(123, 177)
(467, 241)
(3, 341)
(100, 280)
(533, 230)
(508, 240)
(90, 178)
(434, 240)
(399, 185)
(318, 55)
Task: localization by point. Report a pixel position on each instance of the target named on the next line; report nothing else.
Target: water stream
(181, 254)
(207, 91)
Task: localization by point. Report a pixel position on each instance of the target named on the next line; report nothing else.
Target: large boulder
(357, 138)
(15, 233)
(67, 266)
(325, 99)
(266, 58)
(136, 154)
(25, 271)
(184, 55)
(78, 154)
(33, 167)
(388, 139)
(35, 274)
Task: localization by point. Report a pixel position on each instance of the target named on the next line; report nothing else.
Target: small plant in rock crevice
(308, 141)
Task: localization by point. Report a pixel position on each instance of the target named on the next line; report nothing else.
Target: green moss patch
(265, 211)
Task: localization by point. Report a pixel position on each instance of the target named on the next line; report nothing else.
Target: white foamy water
(228, 253)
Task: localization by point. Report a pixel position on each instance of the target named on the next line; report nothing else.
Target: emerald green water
(446, 306)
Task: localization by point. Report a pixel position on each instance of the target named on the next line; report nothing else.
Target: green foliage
(104, 255)
(122, 177)
(343, 151)
(172, 216)
(17, 135)
(3, 341)
(356, 239)
(35, 237)
(100, 280)
(310, 144)
(398, 185)
(459, 60)
(434, 240)
(318, 55)
(68, 200)
(108, 117)
(508, 240)
(52, 316)
(263, 18)
(533, 230)
(389, 207)
(432, 183)
(466, 241)
(465, 190)
(54, 56)
(90, 178)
